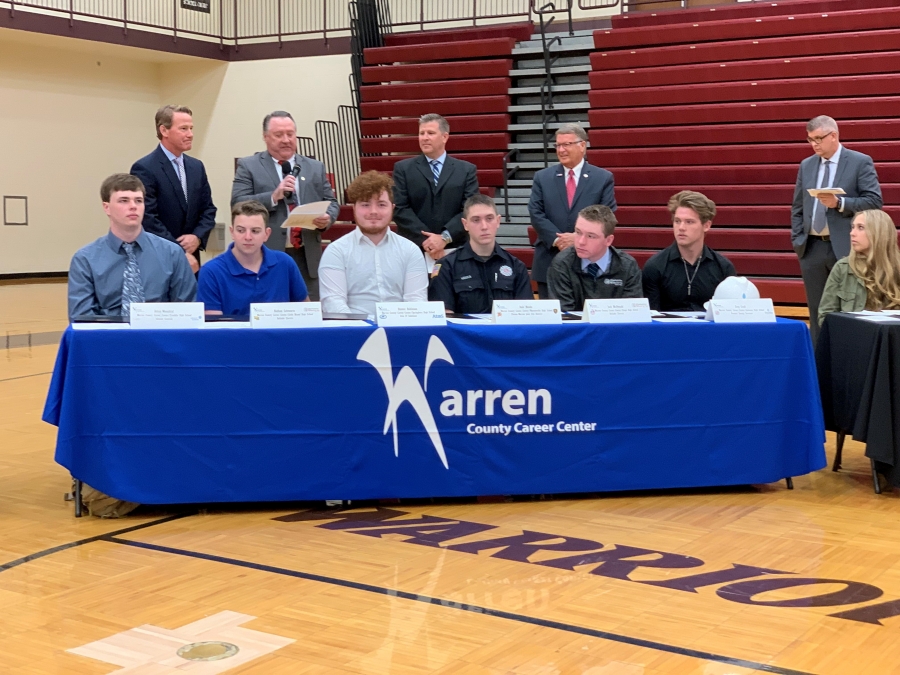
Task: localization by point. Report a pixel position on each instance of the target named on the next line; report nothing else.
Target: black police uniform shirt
(469, 284)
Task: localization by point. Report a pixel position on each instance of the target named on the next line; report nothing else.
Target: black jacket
(421, 206)
(572, 287)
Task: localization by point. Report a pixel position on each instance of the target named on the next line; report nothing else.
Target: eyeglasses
(560, 146)
(815, 140)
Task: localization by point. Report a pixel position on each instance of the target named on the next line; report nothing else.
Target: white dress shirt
(177, 162)
(354, 273)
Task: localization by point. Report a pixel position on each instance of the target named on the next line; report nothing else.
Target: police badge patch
(506, 271)
(437, 268)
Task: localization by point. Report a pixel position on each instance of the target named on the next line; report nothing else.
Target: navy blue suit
(166, 213)
(550, 212)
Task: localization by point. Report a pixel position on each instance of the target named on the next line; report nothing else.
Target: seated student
(249, 271)
(469, 279)
(127, 264)
(592, 268)
(868, 278)
(371, 264)
(685, 275)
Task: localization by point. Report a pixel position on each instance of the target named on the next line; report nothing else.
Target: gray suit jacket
(550, 212)
(855, 173)
(257, 177)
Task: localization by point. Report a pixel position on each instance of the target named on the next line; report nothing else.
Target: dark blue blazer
(550, 212)
(166, 213)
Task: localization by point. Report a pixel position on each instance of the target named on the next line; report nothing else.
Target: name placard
(166, 315)
(620, 310)
(741, 311)
(285, 314)
(511, 312)
(388, 314)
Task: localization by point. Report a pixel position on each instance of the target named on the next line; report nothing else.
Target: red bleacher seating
(455, 73)
(460, 124)
(446, 51)
(737, 50)
(737, 11)
(752, 28)
(716, 100)
(517, 31)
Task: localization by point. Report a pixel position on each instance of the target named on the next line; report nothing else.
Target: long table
(205, 416)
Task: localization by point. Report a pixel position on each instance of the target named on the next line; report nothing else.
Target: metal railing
(339, 144)
(548, 110)
(234, 22)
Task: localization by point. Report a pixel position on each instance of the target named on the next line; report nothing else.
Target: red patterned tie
(570, 187)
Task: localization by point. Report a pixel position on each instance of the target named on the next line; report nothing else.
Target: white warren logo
(406, 388)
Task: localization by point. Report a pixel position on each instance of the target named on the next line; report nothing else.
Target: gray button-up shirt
(97, 271)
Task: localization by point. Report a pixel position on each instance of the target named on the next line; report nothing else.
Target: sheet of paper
(883, 318)
(101, 326)
(304, 215)
(473, 321)
(352, 323)
(431, 262)
(696, 315)
(678, 319)
(815, 192)
(216, 325)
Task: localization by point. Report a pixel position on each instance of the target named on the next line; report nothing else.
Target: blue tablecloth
(347, 413)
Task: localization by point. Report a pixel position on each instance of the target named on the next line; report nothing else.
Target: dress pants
(815, 266)
(312, 284)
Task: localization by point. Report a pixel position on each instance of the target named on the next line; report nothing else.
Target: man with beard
(371, 264)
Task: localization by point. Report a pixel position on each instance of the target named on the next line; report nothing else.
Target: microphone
(287, 171)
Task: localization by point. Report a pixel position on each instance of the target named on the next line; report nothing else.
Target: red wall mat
(426, 72)
(781, 290)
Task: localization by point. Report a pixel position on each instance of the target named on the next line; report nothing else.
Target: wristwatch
(446, 236)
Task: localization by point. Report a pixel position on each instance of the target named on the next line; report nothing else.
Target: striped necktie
(819, 215)
(436, 170)
(132, 285)
(179, 164)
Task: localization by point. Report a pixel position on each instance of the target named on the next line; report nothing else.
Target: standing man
(430, 190)
(268, 177)
(820, 227)
(559, 192)
(128, 264)
(371, 264)
(469, 279)
(685, 275)
(179, 204)
(591, 269)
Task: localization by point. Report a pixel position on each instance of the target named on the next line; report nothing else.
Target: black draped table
(859, 379)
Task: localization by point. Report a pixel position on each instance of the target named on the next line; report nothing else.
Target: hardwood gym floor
(759, 579)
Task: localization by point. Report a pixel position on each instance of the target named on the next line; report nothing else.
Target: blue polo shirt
(229, 287)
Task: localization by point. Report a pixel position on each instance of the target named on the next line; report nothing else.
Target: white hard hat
(736, 288)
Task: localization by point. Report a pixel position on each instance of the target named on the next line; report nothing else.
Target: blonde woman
(868, 278)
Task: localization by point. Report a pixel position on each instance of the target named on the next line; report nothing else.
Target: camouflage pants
(104, 506)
